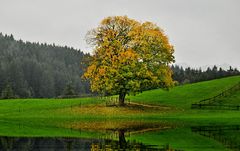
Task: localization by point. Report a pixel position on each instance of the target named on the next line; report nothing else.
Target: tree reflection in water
(122, 144)
(72, 144)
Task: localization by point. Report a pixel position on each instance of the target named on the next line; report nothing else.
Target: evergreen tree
(7, 93)
(189, 75)
(69, 90)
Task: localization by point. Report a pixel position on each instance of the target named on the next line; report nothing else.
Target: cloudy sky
(203, 32)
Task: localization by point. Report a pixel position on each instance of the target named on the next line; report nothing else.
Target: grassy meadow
(147, 107)
(183, 96)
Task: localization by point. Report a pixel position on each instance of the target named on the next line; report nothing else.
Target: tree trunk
(122, 140)
(122, 99)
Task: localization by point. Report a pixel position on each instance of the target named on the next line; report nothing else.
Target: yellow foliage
(129, 56)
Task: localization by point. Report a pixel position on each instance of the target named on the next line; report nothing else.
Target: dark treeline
(190, 75)
(34, 70)
(39, 70)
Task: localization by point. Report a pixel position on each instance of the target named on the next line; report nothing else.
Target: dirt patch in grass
(114, 125)
(130, 109)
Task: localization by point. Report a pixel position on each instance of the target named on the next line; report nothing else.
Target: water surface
(152, 137)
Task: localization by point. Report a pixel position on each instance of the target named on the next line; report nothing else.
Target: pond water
(163, 138)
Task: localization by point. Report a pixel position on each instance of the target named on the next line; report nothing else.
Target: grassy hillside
(233, 99)
(52, 112)
(179, 97)
(183, 96)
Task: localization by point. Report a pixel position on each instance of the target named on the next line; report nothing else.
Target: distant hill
(39, 70)
(183, 96)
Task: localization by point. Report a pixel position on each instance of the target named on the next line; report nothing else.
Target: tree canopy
(128, 57)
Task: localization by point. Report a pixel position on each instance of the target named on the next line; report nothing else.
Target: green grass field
(183, 96)
(179, 99)
(64, 112)
(231, 100)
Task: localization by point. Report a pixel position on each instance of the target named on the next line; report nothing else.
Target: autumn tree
(128, 57)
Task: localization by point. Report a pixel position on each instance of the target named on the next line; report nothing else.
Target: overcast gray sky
(203, 32)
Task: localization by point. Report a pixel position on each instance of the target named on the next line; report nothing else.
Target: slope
(183, 96)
